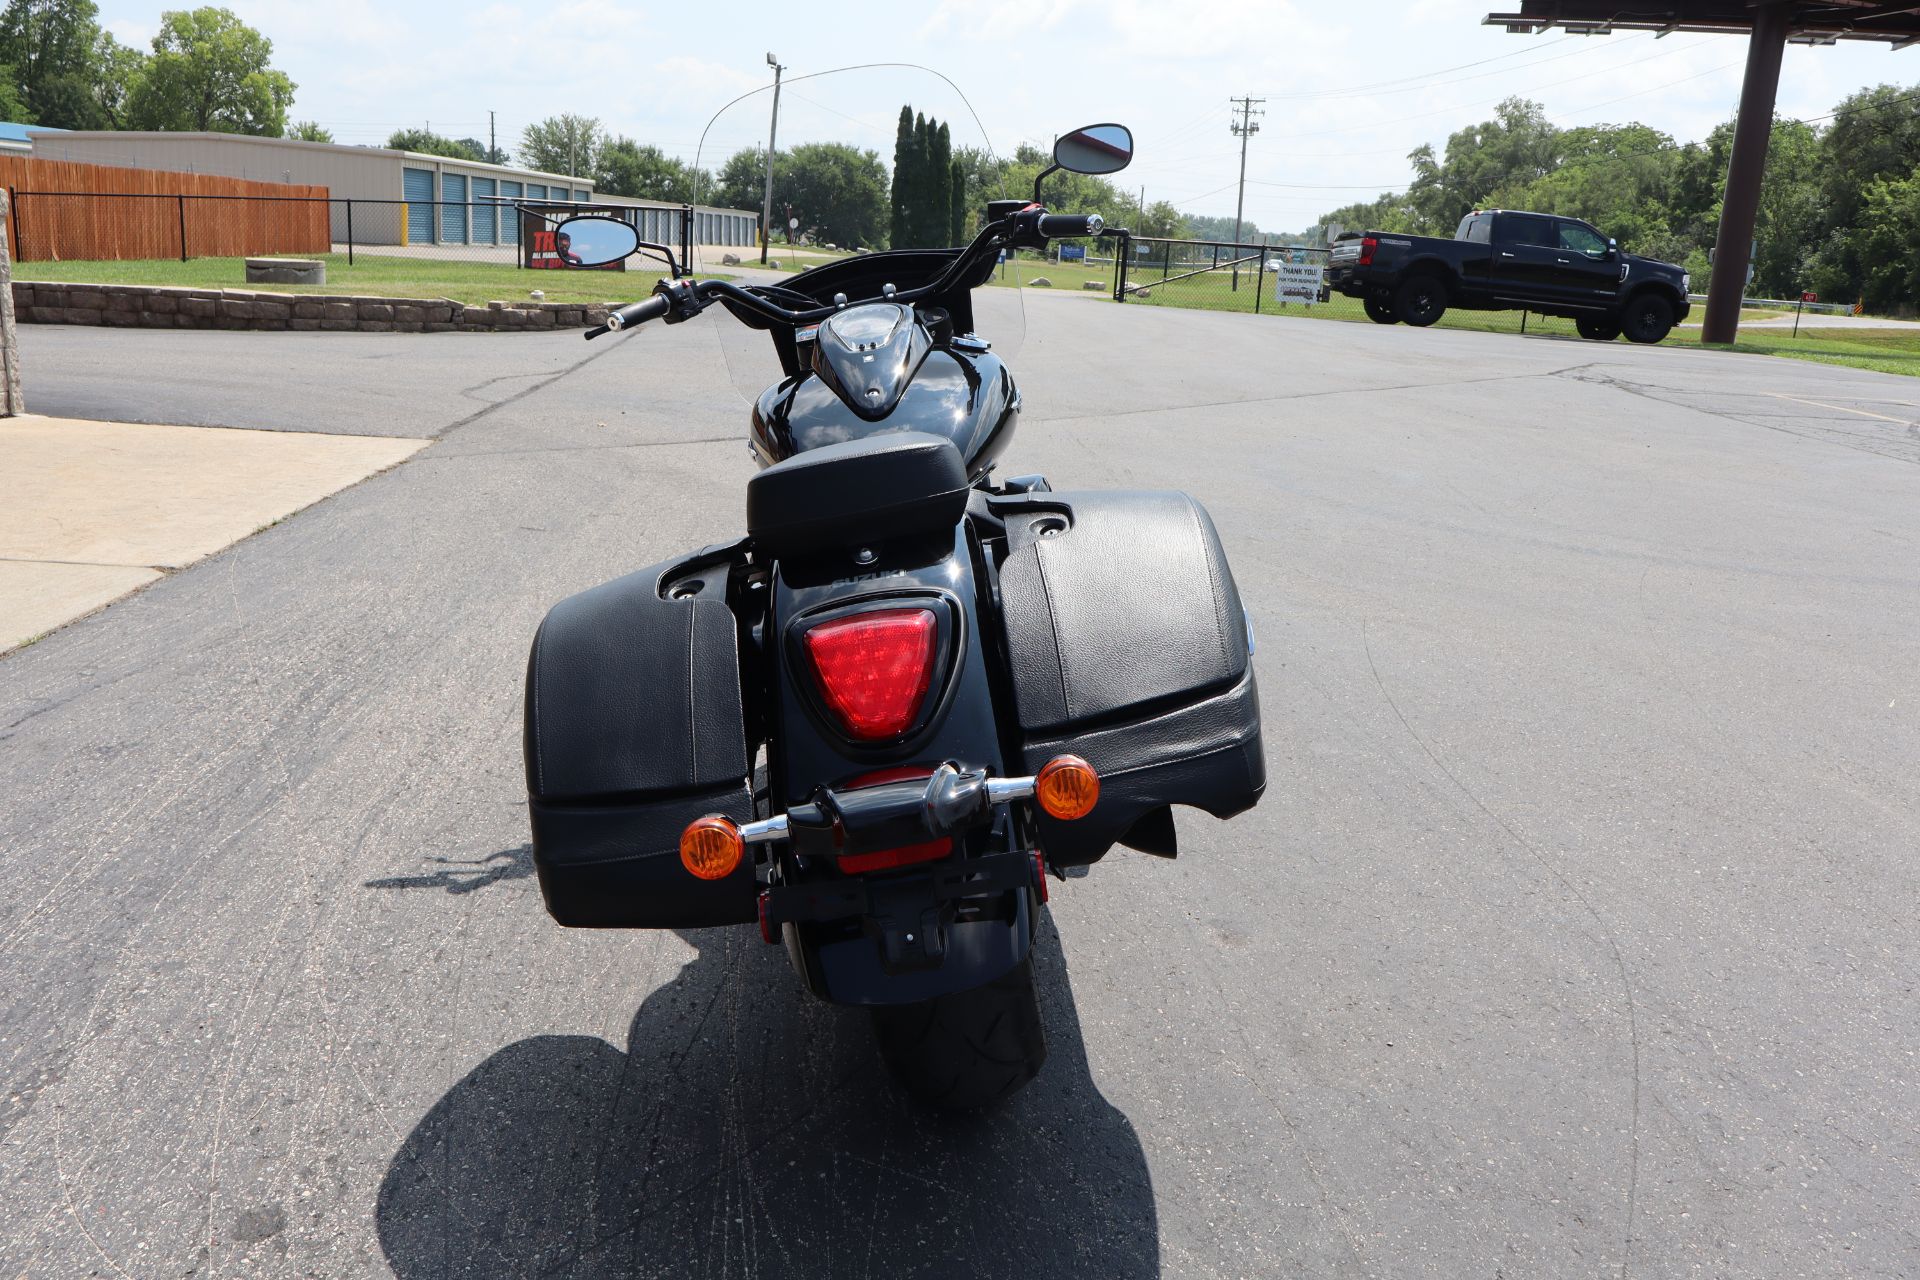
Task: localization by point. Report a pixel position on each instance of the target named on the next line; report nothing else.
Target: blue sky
(1350, 89)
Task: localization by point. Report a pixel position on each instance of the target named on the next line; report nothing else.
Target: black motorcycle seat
(890, 485)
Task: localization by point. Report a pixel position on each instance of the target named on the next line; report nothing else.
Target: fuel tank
(968, 396)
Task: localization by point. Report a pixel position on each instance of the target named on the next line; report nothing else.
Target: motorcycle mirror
(594, 242)
(1096, 148)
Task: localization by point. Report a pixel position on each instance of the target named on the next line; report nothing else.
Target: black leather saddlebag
(633, 729)
(1129, 646)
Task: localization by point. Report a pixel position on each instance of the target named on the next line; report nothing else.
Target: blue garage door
(484, 214)
(536, 192)
(509, 216)
(416, 187)
(580, 195)
(453, 208)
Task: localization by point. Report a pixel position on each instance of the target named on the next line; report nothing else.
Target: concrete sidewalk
(92, 510)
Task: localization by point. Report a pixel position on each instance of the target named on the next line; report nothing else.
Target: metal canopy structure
(1807, 23)
(1769, 25)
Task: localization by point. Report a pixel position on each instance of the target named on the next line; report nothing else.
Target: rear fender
(843, 960)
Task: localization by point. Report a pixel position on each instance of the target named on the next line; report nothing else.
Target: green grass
(790, 260)
(371, 274)
(1881, 350)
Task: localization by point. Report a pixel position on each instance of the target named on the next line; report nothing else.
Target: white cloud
(1030, 67)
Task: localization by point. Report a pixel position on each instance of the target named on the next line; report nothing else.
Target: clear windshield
(840, 108)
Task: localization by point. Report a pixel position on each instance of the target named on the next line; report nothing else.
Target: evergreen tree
(957, 179)
(939, 195)
(902, 177)
(919, 233)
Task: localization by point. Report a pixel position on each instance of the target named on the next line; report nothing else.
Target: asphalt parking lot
(1574, 937)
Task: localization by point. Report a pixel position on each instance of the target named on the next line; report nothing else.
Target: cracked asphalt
(1574, 936)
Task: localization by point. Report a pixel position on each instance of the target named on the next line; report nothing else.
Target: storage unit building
(398, 196)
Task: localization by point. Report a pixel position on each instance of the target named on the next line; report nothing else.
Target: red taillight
(875, 668)
(1367, 245)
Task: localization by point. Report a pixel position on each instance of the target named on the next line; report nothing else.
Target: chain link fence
(71, 226)
(1265, 279)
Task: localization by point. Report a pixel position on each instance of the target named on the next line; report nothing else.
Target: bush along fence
(156, 307)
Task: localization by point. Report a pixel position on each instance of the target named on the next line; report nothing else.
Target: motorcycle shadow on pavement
(749, 1130)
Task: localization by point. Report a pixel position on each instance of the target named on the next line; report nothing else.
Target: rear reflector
(875, 668)
(904, 856)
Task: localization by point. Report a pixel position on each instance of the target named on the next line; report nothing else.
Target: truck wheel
(1379, 310)
(1598, 330)
(1648, 318)
(1419, 301)
(966, 1050)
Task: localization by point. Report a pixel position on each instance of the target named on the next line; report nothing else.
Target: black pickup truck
(1501, 260)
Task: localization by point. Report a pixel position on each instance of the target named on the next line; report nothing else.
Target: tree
(481, 151)
(1890, 258)
(308, 131)
(984, 178)
(432, 144)
(903, 167)
(838, 192)
(1873, 143)
(68, 72)
(739, 183)
(566, 144)
(958, 229)
(918, 229)
(937, 226)
(118, 70)
(626, 168)
(932, 187)
(209, 71)
(13, 103)
(1515, 147)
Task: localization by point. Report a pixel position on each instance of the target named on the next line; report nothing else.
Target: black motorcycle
(879, 722)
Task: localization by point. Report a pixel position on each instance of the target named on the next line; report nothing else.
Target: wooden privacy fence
(63, 211)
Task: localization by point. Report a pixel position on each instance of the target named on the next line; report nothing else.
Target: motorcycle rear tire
(967, 1050)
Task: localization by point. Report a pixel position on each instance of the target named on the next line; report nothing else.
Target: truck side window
(1521, 228)
(1582, 240)
(1478, 229)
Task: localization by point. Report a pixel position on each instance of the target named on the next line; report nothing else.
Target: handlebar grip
(639, 312)
(1069, 226)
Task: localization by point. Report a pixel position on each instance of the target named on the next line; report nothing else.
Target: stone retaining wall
(157, 307)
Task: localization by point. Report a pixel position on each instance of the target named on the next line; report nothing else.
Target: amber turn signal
(1067, 788)
(711, 847)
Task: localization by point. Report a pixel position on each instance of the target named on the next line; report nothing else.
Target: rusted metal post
(1752, 131)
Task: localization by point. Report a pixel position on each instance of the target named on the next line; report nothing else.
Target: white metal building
(410, 197)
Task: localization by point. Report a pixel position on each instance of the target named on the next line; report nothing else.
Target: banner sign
(1073, 253)
(1296, 281)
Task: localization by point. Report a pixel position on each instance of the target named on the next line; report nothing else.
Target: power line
(1439, 71)
(1420, 84)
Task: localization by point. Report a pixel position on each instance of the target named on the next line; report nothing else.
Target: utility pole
(493, 140)
(1243, 128)
(773, 131)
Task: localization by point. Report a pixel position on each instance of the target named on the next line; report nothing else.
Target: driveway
(1574, 936)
